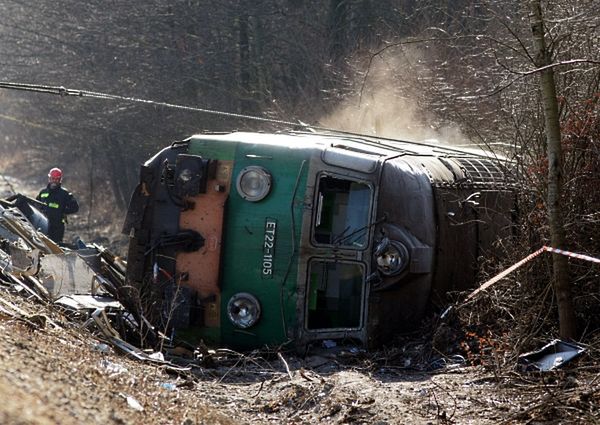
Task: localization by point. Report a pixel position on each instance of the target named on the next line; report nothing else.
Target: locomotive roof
(369, 145)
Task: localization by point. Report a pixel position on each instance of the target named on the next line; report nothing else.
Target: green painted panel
(194, 335)
(244, 253)
(212, 148)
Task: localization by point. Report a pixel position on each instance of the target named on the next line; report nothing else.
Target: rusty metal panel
(206, 217)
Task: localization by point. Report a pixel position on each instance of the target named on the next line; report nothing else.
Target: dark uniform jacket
(59, 202)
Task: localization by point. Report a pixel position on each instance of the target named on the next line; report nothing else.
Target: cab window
(342, 217)
(335, 294)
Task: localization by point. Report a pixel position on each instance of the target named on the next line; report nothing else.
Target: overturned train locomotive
(247, 239)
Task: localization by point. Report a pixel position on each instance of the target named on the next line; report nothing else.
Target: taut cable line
(62, 91)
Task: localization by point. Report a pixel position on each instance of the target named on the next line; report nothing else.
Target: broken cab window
(342, 212)
(335, 295)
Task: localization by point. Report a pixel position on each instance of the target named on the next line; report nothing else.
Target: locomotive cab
(251, 239)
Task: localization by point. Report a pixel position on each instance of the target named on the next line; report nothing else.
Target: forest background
(463, 72)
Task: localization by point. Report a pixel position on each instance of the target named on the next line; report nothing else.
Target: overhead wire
(63, 91)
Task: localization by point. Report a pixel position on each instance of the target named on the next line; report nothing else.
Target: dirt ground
(54, 372)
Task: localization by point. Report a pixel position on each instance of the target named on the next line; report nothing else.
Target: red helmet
(55, 174)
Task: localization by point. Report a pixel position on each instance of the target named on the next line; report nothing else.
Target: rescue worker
(59, 202)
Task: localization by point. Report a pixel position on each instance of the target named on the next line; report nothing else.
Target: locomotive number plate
(269, 247)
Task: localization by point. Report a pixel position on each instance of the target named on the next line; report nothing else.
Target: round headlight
(185, 175)
(392, 257)
(243, 310)
(253, 183)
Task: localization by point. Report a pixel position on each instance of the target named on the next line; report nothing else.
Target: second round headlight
(392, 257)
(243, 309)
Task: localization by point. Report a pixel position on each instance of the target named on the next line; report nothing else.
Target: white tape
(527, 259)
(572, 254)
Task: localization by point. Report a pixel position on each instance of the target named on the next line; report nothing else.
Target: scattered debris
(88, 302)
(132, 402)
(113, 369)
(328, 343)
(66, 274)
(102, 347)
(168, 386)
(87, 284)
(552, 356)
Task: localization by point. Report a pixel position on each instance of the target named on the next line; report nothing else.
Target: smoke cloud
(391, 100)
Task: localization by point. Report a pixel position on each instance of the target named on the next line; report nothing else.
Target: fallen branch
(287, 368)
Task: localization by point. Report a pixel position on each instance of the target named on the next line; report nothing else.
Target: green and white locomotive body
(252, 239)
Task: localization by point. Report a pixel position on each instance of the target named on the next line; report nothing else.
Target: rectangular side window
(342, 212)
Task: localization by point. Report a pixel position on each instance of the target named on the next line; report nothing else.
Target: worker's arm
(71, 205)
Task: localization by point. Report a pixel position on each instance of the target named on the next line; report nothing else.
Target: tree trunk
(245, 61)
(338, 11)
(118, 171)
(562, 288)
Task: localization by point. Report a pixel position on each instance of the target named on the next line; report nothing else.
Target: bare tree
(543, 60)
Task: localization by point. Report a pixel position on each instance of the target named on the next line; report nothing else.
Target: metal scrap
(40, 295)
(66, 274)
(88, 302)
(15, 225)
(11, 309)
(88, 284)
(551, 356)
